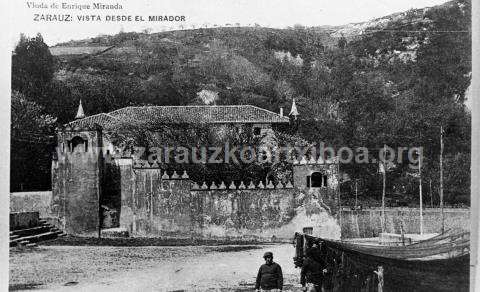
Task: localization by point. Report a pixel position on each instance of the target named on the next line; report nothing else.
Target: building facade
(95, 189)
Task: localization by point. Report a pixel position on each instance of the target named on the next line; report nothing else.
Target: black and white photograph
(320, 146)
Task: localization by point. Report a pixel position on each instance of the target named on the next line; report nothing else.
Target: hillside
(392, 80)
(247, 60)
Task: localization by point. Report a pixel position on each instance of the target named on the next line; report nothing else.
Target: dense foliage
(395, 84)
(31, 144)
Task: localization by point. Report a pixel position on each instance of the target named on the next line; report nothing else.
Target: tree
(32, 67)
(342, 42)
(444, 61)
(31, 143)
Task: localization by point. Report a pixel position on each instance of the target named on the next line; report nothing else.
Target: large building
(91, 192)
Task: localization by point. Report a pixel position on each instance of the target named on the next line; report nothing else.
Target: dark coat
(269, 277)
(312, 272)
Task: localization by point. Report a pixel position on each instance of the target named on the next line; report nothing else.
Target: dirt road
(158, 269)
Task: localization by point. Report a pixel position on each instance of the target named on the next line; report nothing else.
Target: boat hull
(439, 265)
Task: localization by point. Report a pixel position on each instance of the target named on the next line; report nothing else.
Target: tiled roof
(104, 120)
(222, 114)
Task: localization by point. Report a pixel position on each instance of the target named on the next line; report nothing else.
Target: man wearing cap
(269, 277)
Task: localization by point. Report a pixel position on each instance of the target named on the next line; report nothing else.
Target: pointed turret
(294, 111)
(80, 113)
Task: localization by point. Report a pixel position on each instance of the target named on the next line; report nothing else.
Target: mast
(338, 197)
(356, 194)
(384, 171)
(420, 189)
(441, 178)
(431, 194)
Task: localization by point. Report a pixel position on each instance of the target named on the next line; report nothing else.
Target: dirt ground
(107, 268)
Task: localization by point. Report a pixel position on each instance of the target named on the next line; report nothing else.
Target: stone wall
(40, 202)
(367, 223)
(22, 220)
(156, 204)
(77, 181)
(88, 193)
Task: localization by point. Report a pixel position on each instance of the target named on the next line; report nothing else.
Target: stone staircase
(29, 237)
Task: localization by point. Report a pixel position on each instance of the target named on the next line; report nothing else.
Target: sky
(269, 13)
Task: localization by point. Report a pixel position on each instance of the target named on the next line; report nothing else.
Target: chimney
(281, 111)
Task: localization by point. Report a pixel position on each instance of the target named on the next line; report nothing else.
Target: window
(77, 144)
(256, 131)
(317, 179)
(308, 181)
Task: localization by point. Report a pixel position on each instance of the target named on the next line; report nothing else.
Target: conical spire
(294, 111)
(80, 113)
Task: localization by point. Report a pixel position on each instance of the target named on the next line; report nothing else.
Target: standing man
(269, 277)
(312, 274)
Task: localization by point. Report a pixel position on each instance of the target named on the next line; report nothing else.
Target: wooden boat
(437, 264)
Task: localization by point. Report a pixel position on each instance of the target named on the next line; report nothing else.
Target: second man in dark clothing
(312, 274)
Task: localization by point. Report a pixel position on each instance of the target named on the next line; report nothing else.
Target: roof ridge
(238, 113)
(119, 109)
(191, 105)
(174, 106)
(198, 106)
(87, 117)
(263, 109)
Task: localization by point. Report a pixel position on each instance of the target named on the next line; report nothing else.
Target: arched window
(78, 144)
(316, 180)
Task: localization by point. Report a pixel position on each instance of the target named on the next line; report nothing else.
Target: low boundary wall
(367, 222)
(22, 220)
(40, 202)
